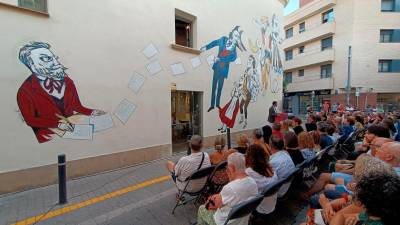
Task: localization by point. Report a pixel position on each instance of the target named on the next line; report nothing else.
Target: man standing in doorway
(226, 54)
(272, 112)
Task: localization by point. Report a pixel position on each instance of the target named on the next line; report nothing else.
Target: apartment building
(332, 43)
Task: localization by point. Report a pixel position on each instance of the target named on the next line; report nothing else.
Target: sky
(291, 6)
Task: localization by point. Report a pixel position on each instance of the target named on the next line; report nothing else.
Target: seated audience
(259, 169)
(311, 123)
(346, 129)
(259, 140)
(267, 132)
(242, 143)
(240, 188)
(389, 152)
(306, 145)
(286, 126)
(292, 147)
(280, 161)
(325, 140)
(276, 130)
(317, 139)
(187, 165)
(219, 155)
(373, 192)
(297, 128)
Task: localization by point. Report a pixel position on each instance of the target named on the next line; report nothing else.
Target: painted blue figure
(226, 54)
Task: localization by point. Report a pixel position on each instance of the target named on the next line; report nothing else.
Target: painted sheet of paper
(210, 60)
(196, 62)
(102, 122)
(124, 110)
(136, 82)
(81, 132)
(177, 68)
(154, 67)
(238, 61)
(150, 51)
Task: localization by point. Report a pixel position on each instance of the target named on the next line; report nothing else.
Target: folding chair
(212, 187)
(203, 173)
(244, 209)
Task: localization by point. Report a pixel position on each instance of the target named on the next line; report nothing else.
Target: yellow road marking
(91, 201)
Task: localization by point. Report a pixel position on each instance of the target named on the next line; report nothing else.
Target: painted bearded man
(226, 54)
(48, 96)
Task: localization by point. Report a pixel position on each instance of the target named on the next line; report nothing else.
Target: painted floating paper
(124, 110)
(136, 82)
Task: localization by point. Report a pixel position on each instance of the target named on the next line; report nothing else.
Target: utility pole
(348, 87)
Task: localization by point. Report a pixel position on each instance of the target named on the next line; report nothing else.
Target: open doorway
(186, 117)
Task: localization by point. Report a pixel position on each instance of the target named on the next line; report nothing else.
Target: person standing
(272, 112)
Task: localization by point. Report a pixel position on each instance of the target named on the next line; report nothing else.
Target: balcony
(310, 59)
(311, 34)
(310, 84)
(308, 11)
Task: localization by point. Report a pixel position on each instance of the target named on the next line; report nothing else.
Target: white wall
(100, 43)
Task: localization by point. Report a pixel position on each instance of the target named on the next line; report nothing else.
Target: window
(302, 27)
(301, 49)
(184, 29)
(388, 5)
(390, 36)
(386, 36)
(37, 5)
(288, 77)
(385, 66)
(289, 33)
(326, 43)
(301, 73)
(289, 54)
(328, 16)
(389, 66)
(326, 71)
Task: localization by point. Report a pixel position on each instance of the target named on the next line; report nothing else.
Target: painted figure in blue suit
(226, 54)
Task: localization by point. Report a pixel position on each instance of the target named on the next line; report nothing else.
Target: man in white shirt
(280, 161)
(240, 188)
(187, 165)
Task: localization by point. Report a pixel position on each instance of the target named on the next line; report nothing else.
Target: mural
(267, 51)
(48, 98)
(263, 68)
(244, 91)
(226, 55)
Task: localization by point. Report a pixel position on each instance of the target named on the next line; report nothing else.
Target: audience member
(267, 132)
(317, 139)
(187, 165)
(219, 155)
(311, 123)
(306, 145)
(280, 161)
(292, 147)
(242, 143)
(259, 140)
(389, 152)
(240, 188)
(259, 169)
(297, 128)
(325, 140)
(276, 130)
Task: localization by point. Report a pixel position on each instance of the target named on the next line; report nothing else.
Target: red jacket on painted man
(48, 94)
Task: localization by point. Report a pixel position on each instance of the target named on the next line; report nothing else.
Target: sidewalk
(142, 194)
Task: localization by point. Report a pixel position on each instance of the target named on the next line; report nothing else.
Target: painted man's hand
(97, 112)
(65, 126)
(203, 49)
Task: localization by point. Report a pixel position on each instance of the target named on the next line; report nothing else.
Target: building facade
(325, 40)
(142, 77)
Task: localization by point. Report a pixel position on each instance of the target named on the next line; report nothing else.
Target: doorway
(186, 117)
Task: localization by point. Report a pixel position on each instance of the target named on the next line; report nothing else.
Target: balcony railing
(310, 58)
(309, 83)
(316, 32)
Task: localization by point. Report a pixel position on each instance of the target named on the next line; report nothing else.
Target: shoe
(241, 119)
(209, 109)
(219, 107)
(245, 124)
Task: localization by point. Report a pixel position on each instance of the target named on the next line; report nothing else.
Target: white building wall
(101, 43)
